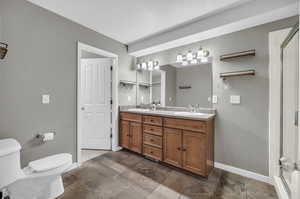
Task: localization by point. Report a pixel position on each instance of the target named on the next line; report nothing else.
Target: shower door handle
(296, 118)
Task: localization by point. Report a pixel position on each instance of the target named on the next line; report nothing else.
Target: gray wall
(42, 59)
(241, 132)
(199, 77)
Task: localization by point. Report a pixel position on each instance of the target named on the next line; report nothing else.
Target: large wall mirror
(175, 85)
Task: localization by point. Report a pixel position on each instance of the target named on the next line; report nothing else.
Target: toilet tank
(10, 167)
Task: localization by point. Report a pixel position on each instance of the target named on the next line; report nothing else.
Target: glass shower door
(290, 107)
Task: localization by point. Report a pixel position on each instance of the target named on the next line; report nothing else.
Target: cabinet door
(136, 137)
(124, 134)
(194, 152)
(172, 146)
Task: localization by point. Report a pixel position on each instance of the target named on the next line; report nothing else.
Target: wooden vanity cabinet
(194, 152)
(131, 132)
(183, 143)
(153, 137)
(172, 147)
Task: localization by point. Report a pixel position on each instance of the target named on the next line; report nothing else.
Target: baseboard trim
(245, 173)
(280, 189)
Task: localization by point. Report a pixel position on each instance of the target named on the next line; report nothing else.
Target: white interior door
(290, 107)
(95, 103)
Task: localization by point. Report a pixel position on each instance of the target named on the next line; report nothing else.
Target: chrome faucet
(192, 108)
(153, 107)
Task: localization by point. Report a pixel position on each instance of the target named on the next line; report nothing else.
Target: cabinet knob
(179, 149)
(151, 152)
(151, 140)
(183, 149)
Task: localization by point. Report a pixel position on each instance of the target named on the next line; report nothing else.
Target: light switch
(215, 99)
(46, 99)
(235, 99)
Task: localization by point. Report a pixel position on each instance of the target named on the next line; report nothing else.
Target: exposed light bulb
(200, 53)
(150, 65)
(179, 58)
(189, 56)
(156, 65)
(144, 66)
(139, 66)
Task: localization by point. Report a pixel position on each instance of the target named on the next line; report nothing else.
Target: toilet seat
(50, 162)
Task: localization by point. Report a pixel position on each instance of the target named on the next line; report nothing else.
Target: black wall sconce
(3, 50)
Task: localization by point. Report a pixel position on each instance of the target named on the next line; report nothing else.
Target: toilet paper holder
(42, 136)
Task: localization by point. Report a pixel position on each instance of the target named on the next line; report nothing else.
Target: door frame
(276, 39)
(290, 36)
(114, 140)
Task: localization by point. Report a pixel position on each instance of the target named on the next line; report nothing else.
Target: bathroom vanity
(181, 139)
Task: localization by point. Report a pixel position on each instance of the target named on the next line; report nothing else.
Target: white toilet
(41, 179)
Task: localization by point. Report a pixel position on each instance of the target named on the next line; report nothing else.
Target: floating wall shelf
(156, 83)
(237, 73)
(127, 83)
(184, 87)
(237, 55)
(145, 84)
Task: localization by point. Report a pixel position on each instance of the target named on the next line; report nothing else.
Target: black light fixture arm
(3, 50)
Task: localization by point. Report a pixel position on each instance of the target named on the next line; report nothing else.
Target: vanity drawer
(153, 120)
(131, 117)
(153, 140)
(154, 130)
(191, 125)
(153, 152)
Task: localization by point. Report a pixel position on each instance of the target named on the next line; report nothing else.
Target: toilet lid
(51, 162)
(8, 146)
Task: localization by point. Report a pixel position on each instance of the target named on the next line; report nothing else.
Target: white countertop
(173, 114)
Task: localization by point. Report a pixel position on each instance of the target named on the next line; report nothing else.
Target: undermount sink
(166, 112)
(188, 113)
(139, 109)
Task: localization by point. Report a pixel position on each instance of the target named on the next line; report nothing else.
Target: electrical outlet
(46, 99)
(215, 99)
(235, 99)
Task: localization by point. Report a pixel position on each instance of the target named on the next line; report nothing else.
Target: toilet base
(37, 188)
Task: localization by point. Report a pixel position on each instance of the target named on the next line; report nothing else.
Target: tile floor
(87, 154)
(124, 175)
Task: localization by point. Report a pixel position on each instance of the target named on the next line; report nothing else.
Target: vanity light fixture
(150, 65)
(201, 56)
(3, 50)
